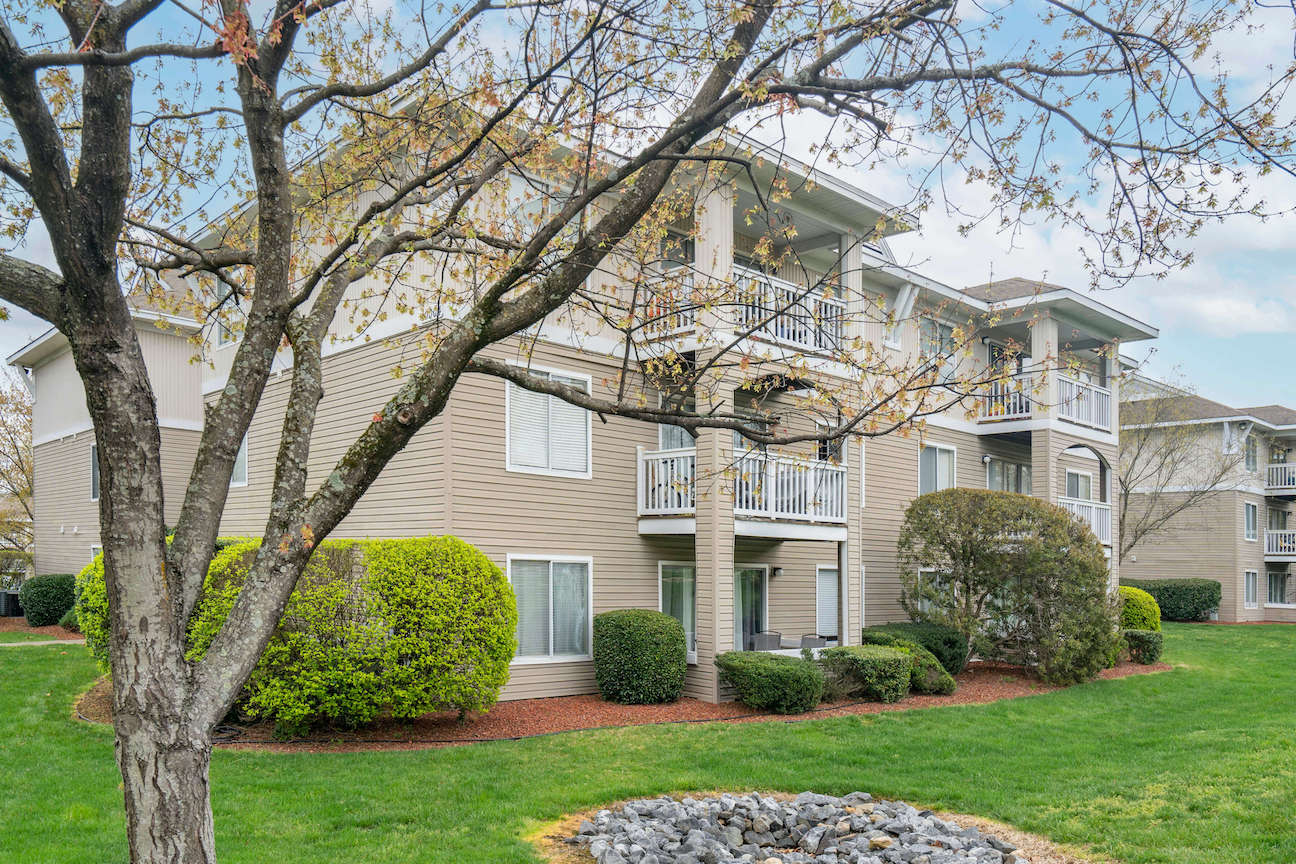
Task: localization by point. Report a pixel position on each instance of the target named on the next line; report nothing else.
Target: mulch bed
(524, 718)
(51, 631)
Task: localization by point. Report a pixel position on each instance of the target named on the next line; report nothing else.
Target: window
(1251, 517)
(678, 589)
(224, 335)
(1251, 453)
(936, 340)
(830, 449)
(1250, 590)
(94, 472)
(1277, 519)
(553, 603)
(935, 468)
(95, 551)
(925, 576)
(671, 437)
(827, 601)
(1079, 485)
(1005, 476)
(545, 434)
(239, 473)
(1278, 589)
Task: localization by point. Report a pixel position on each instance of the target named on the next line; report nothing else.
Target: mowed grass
(1193, 765)
(11, 636)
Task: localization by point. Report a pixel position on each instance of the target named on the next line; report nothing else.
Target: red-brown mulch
(523, 718)
(51, 631)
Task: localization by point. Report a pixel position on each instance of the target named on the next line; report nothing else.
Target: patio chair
(814, 640)
(768, 640)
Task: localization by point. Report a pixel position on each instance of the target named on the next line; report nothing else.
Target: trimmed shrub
(1144, 645)
(46, 599)
(876, 672)
(69, 621)
(640, 656)
(1181, 599)
(1139, 610)
(1021, 579)
(401, 626)
(927, 675)
(948, 645)
(772, 682)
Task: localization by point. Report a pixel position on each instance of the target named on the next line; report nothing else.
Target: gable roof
(1011, 289)
(1276, 415)
(1198, 409)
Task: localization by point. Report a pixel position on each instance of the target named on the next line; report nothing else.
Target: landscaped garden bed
(523, 718)
(17, 629)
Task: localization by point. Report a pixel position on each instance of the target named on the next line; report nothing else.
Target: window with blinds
(546, 434)
(1251, 598)
(827, 594)
(1250, 513)
(553, 603)
(239, 473)
(935, 469)
(679, 600)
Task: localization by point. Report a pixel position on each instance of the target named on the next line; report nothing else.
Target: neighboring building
(1244, 534)
(587, 515)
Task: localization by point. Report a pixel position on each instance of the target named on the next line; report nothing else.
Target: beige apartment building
(749, 547)
(1243, 534)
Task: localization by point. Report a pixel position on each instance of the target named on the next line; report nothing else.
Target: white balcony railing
(1096, 514)
(776, 487)
(1280, 543)
(782, 487)
(1280, 476)
(1007, 400)
(791, 314)
(666, 482)
(1086, 404)
(669, 310)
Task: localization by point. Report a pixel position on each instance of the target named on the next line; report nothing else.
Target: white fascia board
(1148, 331)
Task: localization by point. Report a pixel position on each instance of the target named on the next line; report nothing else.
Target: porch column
(1045, 365)
(1044, 469)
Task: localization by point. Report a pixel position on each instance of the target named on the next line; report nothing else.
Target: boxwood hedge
(1181, 599)
(1144, 645)
(45, 599)
(772, 682)
(948, 645)
(927, 675)
(876, 672)
(1139, 611)
(640, 656)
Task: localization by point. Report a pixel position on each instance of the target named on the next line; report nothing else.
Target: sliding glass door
(749, 604)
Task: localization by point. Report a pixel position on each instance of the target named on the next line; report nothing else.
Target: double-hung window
(545, 434)
(553, 604)
(239, 473)
(935, 468)
(1250, 515)
(1079, 485)
(94, 472)
(937, 343)
(1250, 597)
(1251, 459)
(678, 590)
(1005, 476)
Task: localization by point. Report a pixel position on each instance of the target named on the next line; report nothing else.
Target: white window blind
(546, 433)
(1251, 513)
(553, 606)
(239, 473)
(935, 469)
(827, 592)
(1252, 598)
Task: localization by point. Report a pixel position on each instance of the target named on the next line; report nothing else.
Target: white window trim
(247, 463)
(863, 479)
(818, 630)
(1011, 463)
(843, 451)
(224, 336)
(1251, 604)
(765, 569)
(1248, 506)
(94, 463)
(95, 551)
(1250, 454)
(588, 473)
(1079, 473)
(588, 561)
(939, 446)
(690, 656)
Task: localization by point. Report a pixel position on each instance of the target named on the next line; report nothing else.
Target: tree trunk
(164, 766)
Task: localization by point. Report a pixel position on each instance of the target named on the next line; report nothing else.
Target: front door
(749, 604)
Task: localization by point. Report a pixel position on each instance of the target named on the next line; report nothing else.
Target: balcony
(1281, 477)
(789, 314)
(1280, 545)
(765, 487)
(1007, 400)
(1084, 404)
(1096, 514)
(669, 310)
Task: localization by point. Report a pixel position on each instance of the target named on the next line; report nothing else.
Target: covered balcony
(1084, 404)
(1280, 478)
(1280, 546)
(1096, 514)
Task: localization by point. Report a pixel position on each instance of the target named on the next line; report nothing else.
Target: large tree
(269, 158)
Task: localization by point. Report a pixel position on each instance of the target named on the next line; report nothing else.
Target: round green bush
(46, 599)
(398, 626)
(946, 644)
(1139, 610)
(91, 610)
(640, 656)
(877, 672)
(1144, 645)
(927, 675)
(772, 682)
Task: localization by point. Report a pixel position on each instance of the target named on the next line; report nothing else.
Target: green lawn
(11, 636)
(1193, 765)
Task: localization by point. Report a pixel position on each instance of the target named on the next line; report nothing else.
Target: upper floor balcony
(1280, 546)
(766, 486)
(1078, 402)
(1096, 514)
(1280, 478)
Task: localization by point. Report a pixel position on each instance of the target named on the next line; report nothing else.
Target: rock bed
(809, 829)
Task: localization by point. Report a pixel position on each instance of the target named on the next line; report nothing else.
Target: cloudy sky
(1227, 323)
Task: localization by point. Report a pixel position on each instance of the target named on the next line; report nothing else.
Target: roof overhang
(1086, 311)
(52, 342)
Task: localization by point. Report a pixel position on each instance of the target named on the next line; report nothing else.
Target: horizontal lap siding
(1202, 542)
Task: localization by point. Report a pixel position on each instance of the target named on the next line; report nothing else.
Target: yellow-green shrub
(1139, 609)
